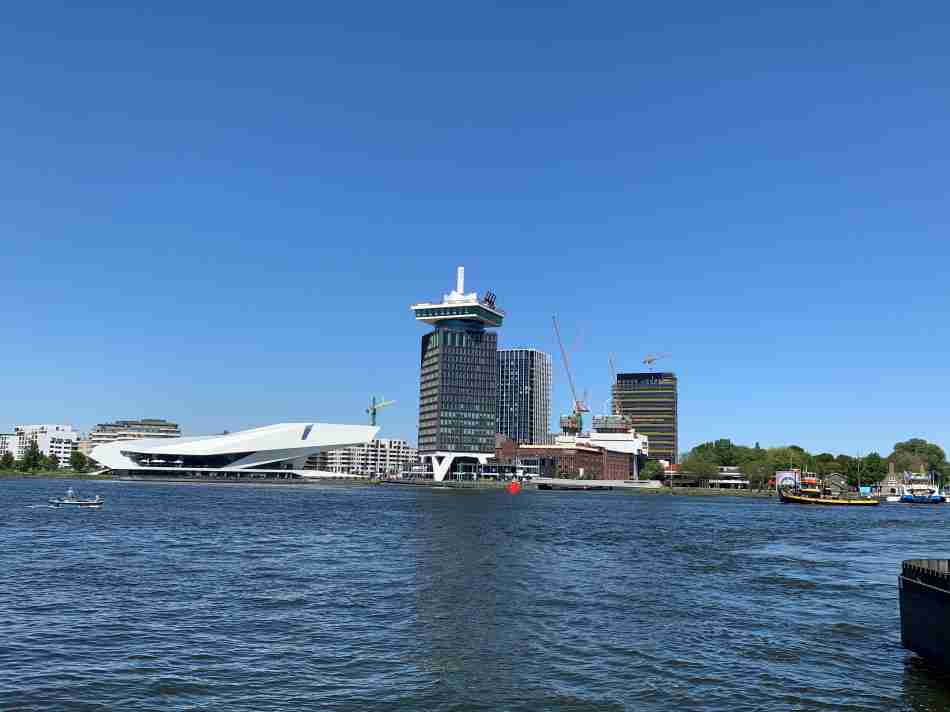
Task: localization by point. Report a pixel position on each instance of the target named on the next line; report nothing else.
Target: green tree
(874, 469)
(726, 453)
(699, 465)
(825, 463)
(844, 464)
(652, 470)
(757, 471)
(916, 452)
(78, 461)
(783, 458)
(52, 462)
(32, 458)
(7, 462)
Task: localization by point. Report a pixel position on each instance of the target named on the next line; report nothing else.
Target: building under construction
(650, 401)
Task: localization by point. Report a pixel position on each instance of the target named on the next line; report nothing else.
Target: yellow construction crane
(653, 358)
(573, 423)
(374, 406)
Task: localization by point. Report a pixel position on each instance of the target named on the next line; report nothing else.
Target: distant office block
(524, 395)
(133, 430)
(650, 401)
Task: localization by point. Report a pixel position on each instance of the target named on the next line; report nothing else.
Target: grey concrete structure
(925, 608)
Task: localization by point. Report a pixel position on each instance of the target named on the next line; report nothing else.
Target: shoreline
(705, 492)
(710, 492)
(105, 477)
(51, 476)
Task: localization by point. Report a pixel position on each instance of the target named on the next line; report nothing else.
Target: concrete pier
(925, 608)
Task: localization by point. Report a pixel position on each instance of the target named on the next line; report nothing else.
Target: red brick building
(574, 461)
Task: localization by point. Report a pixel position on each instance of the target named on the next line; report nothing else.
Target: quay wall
(925, 609)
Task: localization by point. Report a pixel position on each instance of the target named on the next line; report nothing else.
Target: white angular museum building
(272, 452)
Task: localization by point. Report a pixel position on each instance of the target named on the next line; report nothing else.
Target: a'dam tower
(458, 380)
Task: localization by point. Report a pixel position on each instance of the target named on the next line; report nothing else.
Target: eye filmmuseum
(272, 452)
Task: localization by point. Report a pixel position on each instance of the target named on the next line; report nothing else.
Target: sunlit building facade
(650, 402)
(458, 379)
(524, 395)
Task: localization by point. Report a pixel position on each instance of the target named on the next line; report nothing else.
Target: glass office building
(650, 401)
(457, 388)
(524, 395)
(458, 379)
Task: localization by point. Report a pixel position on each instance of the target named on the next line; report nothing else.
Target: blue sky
(219, 213)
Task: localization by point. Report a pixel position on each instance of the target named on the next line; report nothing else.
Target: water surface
(299, 597)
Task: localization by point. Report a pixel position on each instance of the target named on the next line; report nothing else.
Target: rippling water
(242, 597)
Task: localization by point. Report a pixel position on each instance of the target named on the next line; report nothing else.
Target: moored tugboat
(820, 496)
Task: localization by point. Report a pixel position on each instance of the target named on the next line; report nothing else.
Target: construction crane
(653, 358)
(573, 423)
(374, 407)
(613, 381)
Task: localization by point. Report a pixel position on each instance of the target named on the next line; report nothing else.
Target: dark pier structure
(925, 608)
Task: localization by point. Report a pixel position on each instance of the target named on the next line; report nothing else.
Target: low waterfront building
(893, 483)
(133, 430)
(272, 452)
(575, 460)
(58, 440)
(616, 433)
(728, 477)
(378, 458)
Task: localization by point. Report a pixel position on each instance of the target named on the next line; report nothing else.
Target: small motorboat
(918, 494)
(922, 499)
(74, 499)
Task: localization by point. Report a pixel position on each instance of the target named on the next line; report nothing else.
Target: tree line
(759, 464)
(34, 460)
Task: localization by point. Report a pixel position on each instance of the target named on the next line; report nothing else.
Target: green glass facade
(650, 400)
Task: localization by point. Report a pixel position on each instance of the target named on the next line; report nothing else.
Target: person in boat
(70, 494)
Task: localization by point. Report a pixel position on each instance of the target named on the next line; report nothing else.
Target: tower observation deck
(459, 305)
(458, 380)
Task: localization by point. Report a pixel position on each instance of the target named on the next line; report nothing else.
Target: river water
(307, 597)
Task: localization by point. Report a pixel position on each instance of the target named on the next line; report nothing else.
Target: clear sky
(219, 212)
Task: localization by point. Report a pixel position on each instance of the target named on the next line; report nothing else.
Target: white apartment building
(59, 440)
(8, 443)
(375, 458)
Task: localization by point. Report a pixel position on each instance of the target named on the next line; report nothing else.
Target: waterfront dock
(925, 608)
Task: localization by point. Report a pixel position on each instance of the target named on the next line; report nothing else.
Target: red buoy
(513, 487)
